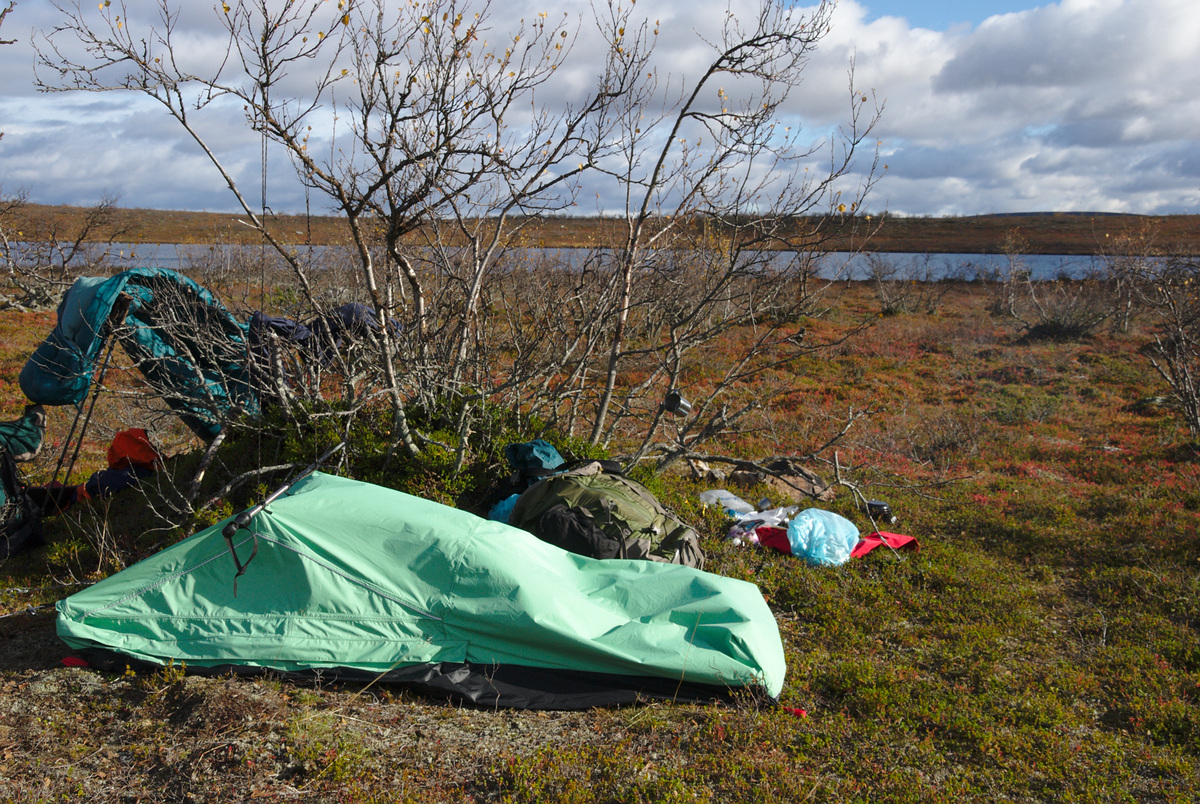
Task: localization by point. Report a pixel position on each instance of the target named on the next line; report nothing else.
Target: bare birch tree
(441, 152)
(4, 13)
(1169, 289)
(724, 221)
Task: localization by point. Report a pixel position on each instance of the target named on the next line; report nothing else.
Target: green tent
(355, 581)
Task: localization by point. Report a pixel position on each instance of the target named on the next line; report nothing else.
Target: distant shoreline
(1068, 233)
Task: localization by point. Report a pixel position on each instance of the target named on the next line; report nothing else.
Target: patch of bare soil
(71, 733)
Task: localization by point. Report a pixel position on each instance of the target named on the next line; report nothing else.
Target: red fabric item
(131, 449)
(777, 538)
(774, 537)
(75, 661)
(894, 540)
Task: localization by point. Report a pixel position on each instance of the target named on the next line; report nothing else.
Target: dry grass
(1042, 645)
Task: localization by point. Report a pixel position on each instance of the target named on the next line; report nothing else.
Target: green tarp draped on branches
(357, 581)
(190, 349)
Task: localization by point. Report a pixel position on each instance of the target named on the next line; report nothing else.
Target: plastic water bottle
(729, 502)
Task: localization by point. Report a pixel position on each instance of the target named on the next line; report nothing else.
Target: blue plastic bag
(536, 454)
(501, 510)
(822, 538)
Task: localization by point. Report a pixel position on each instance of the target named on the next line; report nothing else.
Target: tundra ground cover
(1041, 646)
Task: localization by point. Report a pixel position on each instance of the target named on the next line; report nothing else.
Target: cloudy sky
(990, 106)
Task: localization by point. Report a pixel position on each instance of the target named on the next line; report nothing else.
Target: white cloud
(1081, 104)
(1085, 104)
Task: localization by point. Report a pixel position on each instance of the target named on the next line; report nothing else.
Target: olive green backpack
(604, 514)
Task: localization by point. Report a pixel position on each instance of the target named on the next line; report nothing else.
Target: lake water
(965, 266)
(852, 266)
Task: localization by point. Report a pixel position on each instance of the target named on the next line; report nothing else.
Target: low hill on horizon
(1067, 233)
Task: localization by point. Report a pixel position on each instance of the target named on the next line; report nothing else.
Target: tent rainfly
(189, 348)
(358, 582)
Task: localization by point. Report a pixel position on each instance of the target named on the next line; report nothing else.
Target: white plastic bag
(774, 518)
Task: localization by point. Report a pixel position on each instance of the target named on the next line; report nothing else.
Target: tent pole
(88, 419)
(67, 444)
(244, 519)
